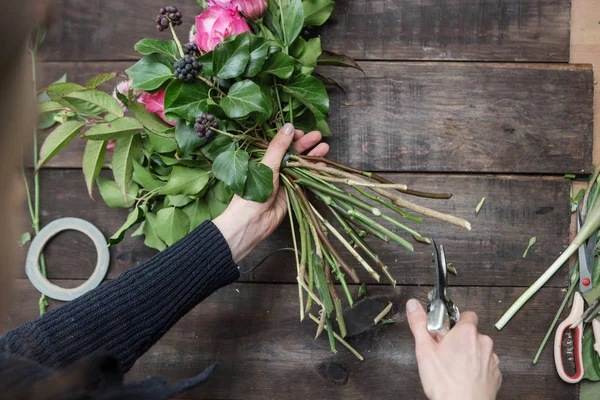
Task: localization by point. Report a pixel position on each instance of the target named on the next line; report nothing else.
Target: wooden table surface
(472, 97)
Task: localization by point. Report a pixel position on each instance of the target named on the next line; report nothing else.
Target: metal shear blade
(443, 314)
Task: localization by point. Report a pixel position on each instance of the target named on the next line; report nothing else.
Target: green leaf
(184, 180)
(285, 29)
(311, 92)
(58, 139)
(24, 238)
(150, 121)
(231, 56)
(339, 60)
(172, 224)
(57, 90)
(112, 196)
(133, 218)
(144, 177)
(151, 46)
(198, 212)
(187, 138)
(259, 184)
(231, 167)
(161, 144)
(531, 243)
(93, 159)
(97, 80)
(590, 358)
(186, 100)
(317, 12)
(120, 128)
(362, 291)
(280, 65)
(310, 54)
(49, 107)
(152, 240)
(140, 230)
(245, 97)
(126, 150)
(82, 100)
(218, 145)
(259, 48)
(179, 200)
(323, 127)
(218, 198)
(149, 73)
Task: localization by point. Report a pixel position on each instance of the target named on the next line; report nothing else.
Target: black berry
(205, 124)
(191, 49)
(187, 68)
(168, 15)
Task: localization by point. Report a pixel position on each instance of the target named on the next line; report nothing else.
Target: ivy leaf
(218, 145)
(82, 100)
(149, 73)
(144, 177)
(280, 65)
(150, 121)
(311, 92)
(133, 218)
(171, 225)
(245, 97)
(186, 100)
(231, 167)
(218, 198)
(310, 54)
(122, 161)
(187, 138)
(231, 56)
(97, 80)
(288, 27)
(49, 107)
(198, 212)
(112, 196)
(93, 158)
(58, 139)
(139, 231)
(184, 180)
(259, 48)
(119, 128)
(179, 200)
(151, 46)
(151, 237)
(259, 184)
(317, 12)
(339, 60)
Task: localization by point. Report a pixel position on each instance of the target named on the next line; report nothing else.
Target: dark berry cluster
(187, 68)
(168, 14)
(204, 125)
(191, 49)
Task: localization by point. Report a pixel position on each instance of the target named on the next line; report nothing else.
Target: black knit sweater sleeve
(127, 315)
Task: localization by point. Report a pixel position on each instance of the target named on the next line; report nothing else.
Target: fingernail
(288, 129)
(412, 305)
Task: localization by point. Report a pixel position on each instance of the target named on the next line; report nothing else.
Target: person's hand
(462, 365)
(244, 223)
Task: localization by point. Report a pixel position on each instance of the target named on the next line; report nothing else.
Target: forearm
(127, 315)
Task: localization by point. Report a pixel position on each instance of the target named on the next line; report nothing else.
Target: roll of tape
(32, 267)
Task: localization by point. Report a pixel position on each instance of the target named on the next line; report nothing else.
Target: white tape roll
(32, 267)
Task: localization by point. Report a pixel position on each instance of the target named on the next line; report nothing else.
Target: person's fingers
(468, 317)
(298, 134)
(307, 141)
(320, 150)
(417, 320)
(278, 147)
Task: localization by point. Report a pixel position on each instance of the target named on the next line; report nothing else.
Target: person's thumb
(278, 147)
(417, 320)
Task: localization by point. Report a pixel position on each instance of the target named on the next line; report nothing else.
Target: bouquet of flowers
(189, 128)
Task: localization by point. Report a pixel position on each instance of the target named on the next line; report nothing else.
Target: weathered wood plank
(432, 117)
(266, 353)
(491, 254)
(482, 30)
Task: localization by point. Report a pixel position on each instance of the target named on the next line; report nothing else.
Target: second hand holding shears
(442, 312)
(569, 334)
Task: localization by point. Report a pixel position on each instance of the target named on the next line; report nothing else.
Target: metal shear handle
(577, 333)
(438, 321)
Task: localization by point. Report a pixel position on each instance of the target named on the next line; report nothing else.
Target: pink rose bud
(253, 9)
(215, 24)
(110, 147)
(155, 103)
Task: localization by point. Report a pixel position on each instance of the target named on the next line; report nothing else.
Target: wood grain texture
(481, 30)
(491, 254)
(266, 353)
(440, 117)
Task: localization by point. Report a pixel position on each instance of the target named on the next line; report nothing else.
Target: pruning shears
(568, 341)
(442, 312)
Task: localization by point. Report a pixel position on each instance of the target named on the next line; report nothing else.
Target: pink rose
(110, 146)
(215, 24)
(155, 103)
(253, 9)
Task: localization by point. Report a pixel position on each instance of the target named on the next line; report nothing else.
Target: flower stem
(176, 39)
(300, 293)
(388, 205)
(211, 84)
(341, 340)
